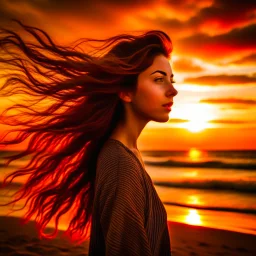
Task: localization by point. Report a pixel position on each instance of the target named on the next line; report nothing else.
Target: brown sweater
(128, 218)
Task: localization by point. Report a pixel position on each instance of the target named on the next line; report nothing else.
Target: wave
(214, 208)
(17, 185)
(241, 186)
(206, 164)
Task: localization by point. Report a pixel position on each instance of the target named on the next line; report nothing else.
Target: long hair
(70, 107)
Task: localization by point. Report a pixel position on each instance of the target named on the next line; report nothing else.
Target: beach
(205, 216)
(185, 240)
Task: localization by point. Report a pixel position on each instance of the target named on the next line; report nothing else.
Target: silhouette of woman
(82, 112)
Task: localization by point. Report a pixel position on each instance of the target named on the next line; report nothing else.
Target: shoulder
(115, 160)
(118, 173)
(114, 153)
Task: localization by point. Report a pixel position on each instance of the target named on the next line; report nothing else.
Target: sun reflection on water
(193, 218)
(194, 154)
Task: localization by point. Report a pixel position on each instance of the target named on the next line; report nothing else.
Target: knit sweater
(128, 216)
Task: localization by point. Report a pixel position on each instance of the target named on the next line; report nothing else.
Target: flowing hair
(69, 107)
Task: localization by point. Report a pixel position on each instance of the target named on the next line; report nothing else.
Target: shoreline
(199, 240)
(227, 221)
(185, 240)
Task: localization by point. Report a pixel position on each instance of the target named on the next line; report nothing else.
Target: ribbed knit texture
(128, 218)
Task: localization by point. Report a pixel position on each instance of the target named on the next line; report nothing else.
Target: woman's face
(154, 89)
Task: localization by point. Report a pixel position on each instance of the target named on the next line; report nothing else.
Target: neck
(129, 129)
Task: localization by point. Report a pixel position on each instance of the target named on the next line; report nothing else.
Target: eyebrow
(161, 72)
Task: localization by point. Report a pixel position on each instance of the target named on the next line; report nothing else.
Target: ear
(125, 96)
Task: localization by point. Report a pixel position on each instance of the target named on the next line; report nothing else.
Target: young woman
(83, 142)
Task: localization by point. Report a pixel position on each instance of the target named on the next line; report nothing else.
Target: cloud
(215, 121)
(224, 121)
(82, 8)
(191, 24)
(229, 101)
(247, 60)
(55, 5)
(224, 15)
(189, 6)
(64, 21)
(210, 48)
(185, 18)
(221, 80)
(186, 65)
(177, 120)
(54, 9)
(238, 107)
(4, 13)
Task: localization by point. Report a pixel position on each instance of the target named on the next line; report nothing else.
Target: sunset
(213, 57)
(201, 159)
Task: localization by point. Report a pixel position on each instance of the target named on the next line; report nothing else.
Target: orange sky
(213, 60)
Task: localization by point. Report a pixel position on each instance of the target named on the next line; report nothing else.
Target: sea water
(208, 188)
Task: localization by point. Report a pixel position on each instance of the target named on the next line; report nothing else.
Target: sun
(198, 116)
(196, 126)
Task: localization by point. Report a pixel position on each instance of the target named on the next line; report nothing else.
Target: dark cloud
(209, 17)
(247, 60)
(221, 80)
(56, 5)
(24, 14)
(174, 26)
(220, 46)
(186, 65)
(84, 7)
(64, 21)
(87, 9)
(225, 14)
(235, 6)
(230, 101)
(6, 14)
(74, 19)
(188, 6)
(90, 18)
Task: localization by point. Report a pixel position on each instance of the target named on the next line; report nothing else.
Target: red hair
(64, 138)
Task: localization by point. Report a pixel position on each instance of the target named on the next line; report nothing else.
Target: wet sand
(186, 240)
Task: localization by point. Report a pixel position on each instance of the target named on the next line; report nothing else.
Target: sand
(196, 240)
(186, 240)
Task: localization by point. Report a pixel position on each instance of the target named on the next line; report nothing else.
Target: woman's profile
(82, 113)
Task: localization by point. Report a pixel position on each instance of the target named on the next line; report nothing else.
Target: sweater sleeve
(122, 209)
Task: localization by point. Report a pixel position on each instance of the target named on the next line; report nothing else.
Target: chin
(163, 119)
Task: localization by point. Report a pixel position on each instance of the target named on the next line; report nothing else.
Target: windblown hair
(70, 107)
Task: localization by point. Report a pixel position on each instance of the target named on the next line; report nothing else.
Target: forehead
(160, 63)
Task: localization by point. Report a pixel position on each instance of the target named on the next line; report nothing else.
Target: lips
(168, 104)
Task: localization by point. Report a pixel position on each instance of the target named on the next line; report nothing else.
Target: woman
(83, 142)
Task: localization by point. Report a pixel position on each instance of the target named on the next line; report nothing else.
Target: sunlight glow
(193, 218)
(194, 154)
(193, 88)
(190, 174)
(196, 126)
(193, 199)
(197, 115)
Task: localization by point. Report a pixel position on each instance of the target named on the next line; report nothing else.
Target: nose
(172, 92)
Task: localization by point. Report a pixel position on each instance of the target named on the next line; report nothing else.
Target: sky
(213, 60)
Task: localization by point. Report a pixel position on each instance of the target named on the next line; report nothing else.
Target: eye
(161, 79)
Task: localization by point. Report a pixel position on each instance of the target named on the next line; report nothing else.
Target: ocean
(208, 188)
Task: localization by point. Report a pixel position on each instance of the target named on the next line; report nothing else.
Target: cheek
(149, 97)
